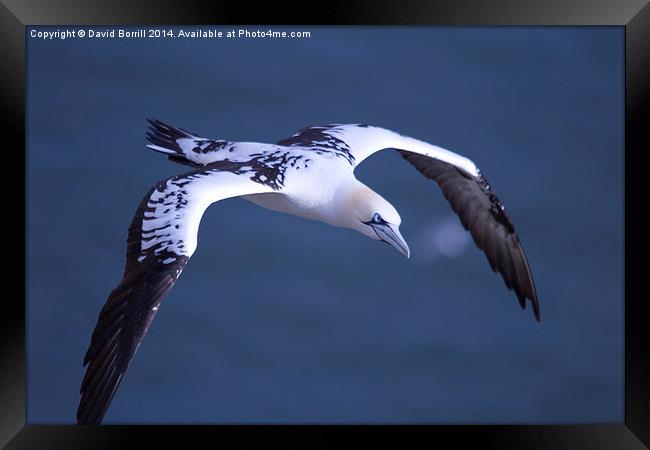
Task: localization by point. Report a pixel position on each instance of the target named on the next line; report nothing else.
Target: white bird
(311, 175)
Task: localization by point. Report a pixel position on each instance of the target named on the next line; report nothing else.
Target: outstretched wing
(471, 197)
(356, 142)
(161, 239)
(481, 212)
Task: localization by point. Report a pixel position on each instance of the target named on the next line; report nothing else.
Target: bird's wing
(471, 197)
(355, 142)
(184, 147)
(161, 239)
(482, 213)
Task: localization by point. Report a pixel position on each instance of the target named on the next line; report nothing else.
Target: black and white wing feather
(470, 196)
(161, 239)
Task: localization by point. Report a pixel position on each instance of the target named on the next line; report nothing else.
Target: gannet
(311, 175)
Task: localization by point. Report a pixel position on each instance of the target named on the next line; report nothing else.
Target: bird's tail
(167, 139)
(185, 147)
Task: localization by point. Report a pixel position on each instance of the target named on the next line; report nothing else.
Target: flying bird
(311, 175)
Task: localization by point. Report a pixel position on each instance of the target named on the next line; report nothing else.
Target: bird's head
(370, 214)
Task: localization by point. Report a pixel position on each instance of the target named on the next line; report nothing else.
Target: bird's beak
(390, 234)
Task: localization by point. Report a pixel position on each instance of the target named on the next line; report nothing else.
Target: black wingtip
(534, 304)
(522, 300)
(536, 310)
(533, 296)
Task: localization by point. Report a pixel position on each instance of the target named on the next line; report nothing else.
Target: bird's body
(310, 175)
(315, 201)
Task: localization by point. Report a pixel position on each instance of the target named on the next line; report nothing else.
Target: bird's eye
(375, 220)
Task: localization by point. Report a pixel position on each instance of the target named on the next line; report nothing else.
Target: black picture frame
(634, 16)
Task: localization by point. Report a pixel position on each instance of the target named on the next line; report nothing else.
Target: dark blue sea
(277, 319)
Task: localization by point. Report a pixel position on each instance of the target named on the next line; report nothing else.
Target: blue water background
(278, 319)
